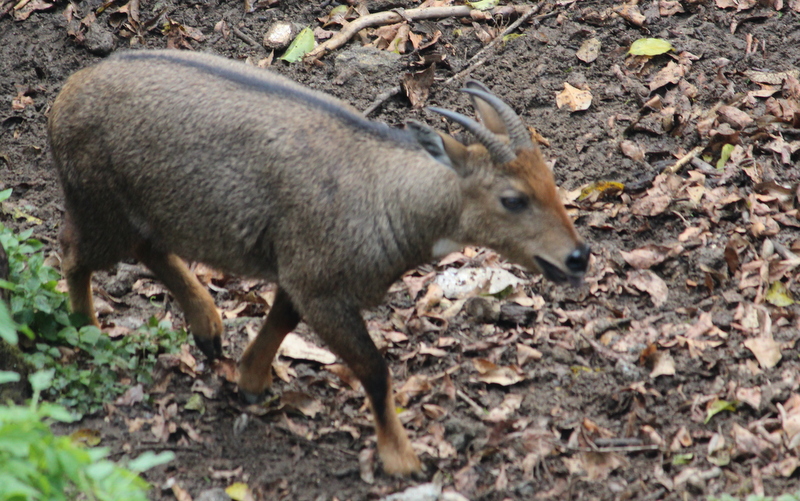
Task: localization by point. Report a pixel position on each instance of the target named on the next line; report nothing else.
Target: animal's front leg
(343, 329)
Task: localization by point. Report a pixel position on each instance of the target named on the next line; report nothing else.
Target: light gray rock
(99, 41)
(215, 494)
(367, 60)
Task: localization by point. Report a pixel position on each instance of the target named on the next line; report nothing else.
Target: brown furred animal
(167, 155)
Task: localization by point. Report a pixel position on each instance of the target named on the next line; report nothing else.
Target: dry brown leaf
(576, 99)
(785, 468)
(227, 369)
(765, 91)
(429, 350)
(526, 353)
(511, 404)
(466, 479)
(417, 86)
(668, 8)
(594, 466)
(765, 349)
(631, 13)
(750, 396)
(149, 288)
(649, 282)
(24, 12)
(663, 364)
(771, 78)
(431, 299)
(296, 347)
(132, 395)
(650, 255)
(671, 74)
(415, 385)
(434, 412)
(180, 493)
(631, 150)
(415, 284)
(739, 5)
(494, 374)
(21, 101)
(283, 369)
(750, 444)
(302, 402)
(651, 204)
(790, 417)
(682, 439)
(735, 117)
(589, 50)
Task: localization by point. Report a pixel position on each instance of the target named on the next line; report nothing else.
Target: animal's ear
(488, 115)
(440, 146)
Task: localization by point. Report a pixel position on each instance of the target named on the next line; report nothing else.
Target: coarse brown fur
(165, 156)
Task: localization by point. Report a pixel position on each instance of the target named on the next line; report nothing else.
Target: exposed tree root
(382, 18)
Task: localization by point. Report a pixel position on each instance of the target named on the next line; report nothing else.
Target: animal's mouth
(557, 275)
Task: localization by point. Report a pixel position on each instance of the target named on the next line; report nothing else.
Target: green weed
(96, 362)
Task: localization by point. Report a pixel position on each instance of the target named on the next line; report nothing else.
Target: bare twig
(480, 411)
(244, 37)
(381, 18)
(382, 98)
(473, 63)
(627, 448)
(672, 169)
(602, 350)
(482, 55)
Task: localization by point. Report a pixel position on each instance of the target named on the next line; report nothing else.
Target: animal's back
(239, 167)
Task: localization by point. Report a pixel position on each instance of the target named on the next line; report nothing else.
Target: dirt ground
(608, 391)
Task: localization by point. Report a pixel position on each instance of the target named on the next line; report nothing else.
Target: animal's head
(510, 202)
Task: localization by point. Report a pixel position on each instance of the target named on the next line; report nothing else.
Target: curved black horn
(501, 153)
(517, 132)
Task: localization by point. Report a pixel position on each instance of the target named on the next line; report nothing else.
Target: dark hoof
(211, 348)
(253, 398)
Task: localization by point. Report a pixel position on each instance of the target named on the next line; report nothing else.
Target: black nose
(578, 260)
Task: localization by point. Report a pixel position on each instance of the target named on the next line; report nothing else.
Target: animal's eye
(514, 203)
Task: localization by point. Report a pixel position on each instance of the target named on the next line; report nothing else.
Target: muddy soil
(591, 377)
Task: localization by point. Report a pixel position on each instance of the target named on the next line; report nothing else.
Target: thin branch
(672, 169)
(482, 55)
(244, 36)
(382, 18)
(473, 63)
(480, 411)
(382, 97)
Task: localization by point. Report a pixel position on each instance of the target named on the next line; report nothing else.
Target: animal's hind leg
(255, 368)
(195, 301)
(77, 274)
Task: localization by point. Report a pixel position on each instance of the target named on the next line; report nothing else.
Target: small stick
(624, 448)
(474, 63)
(684, 160)
(382, 98)
(244, 36)
(477, 408)
(482, 55)
(381, 18)
(602, 350)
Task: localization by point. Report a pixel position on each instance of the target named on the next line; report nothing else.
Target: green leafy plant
(84, 386)
(38, 465)
(97, 362)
